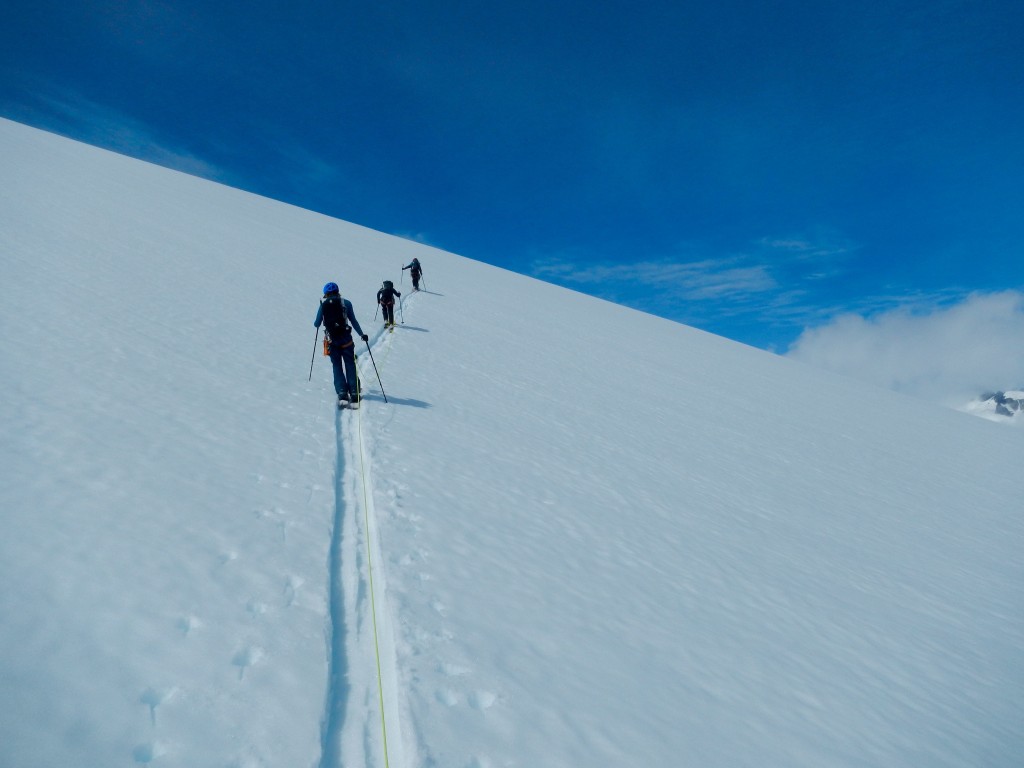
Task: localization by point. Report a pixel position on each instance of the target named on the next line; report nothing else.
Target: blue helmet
(331, 288)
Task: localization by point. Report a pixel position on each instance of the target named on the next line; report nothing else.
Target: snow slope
(597, 538)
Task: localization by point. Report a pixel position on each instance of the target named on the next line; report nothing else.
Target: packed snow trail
(337, 688)
(361, 723)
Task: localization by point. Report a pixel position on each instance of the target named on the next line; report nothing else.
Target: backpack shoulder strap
(335, 316)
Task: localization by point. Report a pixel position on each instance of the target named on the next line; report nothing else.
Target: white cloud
(947, 354)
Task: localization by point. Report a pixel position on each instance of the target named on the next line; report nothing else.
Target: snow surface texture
(598, 538)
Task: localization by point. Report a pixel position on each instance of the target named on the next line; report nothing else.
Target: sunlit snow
(597, 538)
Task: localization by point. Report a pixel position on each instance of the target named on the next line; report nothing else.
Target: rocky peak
(999, 406)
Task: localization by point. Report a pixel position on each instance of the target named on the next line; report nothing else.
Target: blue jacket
(351, 315)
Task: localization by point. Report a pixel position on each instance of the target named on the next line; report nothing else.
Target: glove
(366, 337)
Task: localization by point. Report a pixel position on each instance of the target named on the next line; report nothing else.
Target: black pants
(343, 360)
(389, 313)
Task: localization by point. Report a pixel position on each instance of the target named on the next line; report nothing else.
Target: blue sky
(755, 169)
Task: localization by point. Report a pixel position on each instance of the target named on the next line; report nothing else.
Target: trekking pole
(401, 309)
(315, 339)
(375, 369)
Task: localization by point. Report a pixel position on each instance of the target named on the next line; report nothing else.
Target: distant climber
(417, 272)
(335, 313)
(386, 299)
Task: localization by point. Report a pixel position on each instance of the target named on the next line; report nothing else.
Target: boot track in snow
(360, 724)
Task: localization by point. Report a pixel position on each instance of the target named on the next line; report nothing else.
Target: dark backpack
(335, 319)
(386, 295)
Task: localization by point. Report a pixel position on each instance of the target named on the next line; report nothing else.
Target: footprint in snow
(291, 588)
(154, 697)
(187, 623)
(452, 670)
(447, 696)
(227, 557)
(482, 700)
(271, 514)
(245, 658)
(147, 753)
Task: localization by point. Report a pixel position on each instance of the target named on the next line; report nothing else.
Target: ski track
(337, 673)
(443, 676)
(353, 727)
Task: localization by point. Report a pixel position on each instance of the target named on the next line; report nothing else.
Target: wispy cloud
(805, 249)
(819, 257)
(72, 115)
(306, 167)
(767, 282)
(686, 280)
(946, 352)
(287, 168)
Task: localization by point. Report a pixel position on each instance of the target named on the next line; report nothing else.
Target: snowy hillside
(597, 538)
